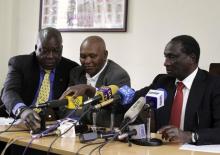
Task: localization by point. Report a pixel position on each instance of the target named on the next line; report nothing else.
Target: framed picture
(84, 15)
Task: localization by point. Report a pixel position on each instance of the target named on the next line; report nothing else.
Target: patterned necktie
(44, 92)
(177, 106)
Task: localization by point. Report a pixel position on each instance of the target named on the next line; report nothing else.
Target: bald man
(97, 70)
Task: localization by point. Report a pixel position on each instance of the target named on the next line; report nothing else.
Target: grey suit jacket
(113, 74)
(23, 76)
(203, 106)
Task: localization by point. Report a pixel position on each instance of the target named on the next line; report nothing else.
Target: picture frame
(84, 15)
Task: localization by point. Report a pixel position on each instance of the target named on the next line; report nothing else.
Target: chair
(214, 68)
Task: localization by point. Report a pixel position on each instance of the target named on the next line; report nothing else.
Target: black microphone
(87, 137)
(69, 102)
(53, 103)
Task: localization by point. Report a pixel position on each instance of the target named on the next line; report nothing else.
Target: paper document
(201, 148)
(8, 121)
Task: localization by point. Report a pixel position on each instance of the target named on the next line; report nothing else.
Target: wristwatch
(195, 137)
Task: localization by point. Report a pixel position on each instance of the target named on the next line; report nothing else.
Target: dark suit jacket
(113, 74)
(23, 76)
(202, 109)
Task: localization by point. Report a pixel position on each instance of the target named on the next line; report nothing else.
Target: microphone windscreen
(106, 92)
(164, 91)
(55, 103)
(73, 103)
(127, 94)
(156, 98)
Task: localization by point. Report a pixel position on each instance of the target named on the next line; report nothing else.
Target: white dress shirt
(92, 80)
(187, 83)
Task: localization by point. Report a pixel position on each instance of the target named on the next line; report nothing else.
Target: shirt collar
(189, 79)
(95, 77)
(43, 70)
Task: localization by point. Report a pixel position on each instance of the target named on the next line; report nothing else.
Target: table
(71, 145)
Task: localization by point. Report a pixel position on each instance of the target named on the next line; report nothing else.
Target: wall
(151, 24)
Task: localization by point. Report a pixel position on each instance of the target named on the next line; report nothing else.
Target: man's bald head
(93, 54)
(49, 48)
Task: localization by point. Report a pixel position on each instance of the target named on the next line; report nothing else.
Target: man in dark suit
(96, 70)
(198, 119)
(26, 75)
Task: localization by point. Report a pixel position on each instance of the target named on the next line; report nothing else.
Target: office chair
(214, 68)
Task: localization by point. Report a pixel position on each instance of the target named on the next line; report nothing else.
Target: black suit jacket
(23, 76)
(203, 106)
(113, 74)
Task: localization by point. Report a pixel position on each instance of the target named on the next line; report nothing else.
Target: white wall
(151, 24)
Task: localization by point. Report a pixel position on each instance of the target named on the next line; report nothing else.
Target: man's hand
(31, 119)
(79, 90)
(174, 134)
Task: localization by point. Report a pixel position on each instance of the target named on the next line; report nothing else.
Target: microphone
(127, 134)
(69, 102)
(133, 111)
(104, 93)
(135, 132)
(53, 103)
(155, 98)
(86, 137)
(105, 103)
(127, 94)
(124, 94)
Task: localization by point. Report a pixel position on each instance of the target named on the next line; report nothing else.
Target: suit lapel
(194, 100)
(166, 110)
(100, 82)
(34, 74)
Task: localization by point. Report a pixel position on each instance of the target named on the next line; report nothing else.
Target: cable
(7, 145)
(84, 113)
(10, 142)
(30, 142)
(110, 140)
(87, 146)
(17, 130)
(6, 130)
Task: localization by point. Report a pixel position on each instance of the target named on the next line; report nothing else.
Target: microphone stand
(112, 117)
(42, 115)
(94, 117)
(148, 141)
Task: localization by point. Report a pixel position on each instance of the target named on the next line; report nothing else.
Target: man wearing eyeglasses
(36, 78)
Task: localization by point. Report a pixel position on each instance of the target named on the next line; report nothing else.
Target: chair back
(214, 68)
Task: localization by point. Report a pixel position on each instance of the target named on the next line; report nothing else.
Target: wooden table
(71, 145)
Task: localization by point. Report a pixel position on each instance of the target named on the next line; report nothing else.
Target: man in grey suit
(96, 70)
